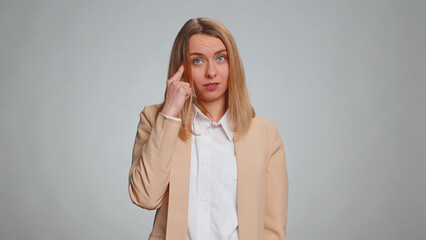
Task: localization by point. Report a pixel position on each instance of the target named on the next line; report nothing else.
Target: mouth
(211, 84)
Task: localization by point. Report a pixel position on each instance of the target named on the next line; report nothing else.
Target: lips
(211, 84)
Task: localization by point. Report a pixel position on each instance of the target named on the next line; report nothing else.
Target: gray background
(344, 81)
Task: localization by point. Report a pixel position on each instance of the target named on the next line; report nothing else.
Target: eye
(221, 58)
(197, 61)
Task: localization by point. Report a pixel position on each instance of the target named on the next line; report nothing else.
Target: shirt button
(203, 196)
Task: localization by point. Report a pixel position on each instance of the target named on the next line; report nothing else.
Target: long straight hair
(237, 99)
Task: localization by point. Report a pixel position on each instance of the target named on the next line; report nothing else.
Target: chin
(210, 98)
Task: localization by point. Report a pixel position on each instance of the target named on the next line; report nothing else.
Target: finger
(178, 74)
(185, 84)
(187, 94)
(182, 84)
(177, 85)
(188, 91)
(186, 88)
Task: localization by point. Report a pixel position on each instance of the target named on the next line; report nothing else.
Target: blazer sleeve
(152, 157)
(276, 200)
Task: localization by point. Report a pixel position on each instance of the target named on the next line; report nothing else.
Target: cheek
(225, 73)
(197, 75)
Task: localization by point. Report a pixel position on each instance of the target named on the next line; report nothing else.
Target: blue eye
(221, 58)
(197, 61)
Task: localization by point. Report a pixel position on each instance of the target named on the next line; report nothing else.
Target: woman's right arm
(154, 146)
(151, 161)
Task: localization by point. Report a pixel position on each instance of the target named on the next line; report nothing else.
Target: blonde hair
(240, 110)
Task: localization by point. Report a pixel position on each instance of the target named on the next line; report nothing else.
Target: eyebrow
(197, 53)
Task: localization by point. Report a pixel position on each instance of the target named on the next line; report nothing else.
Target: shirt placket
(204, 178)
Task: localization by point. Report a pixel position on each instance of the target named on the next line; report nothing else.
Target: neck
(215, 109)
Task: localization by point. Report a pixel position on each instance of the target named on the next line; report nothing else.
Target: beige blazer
(159, 178)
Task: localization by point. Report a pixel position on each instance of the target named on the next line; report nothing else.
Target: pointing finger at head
(178, 74)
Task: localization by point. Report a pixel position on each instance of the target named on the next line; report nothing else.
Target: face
(209, 68)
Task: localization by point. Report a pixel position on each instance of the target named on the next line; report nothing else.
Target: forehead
(203, 43)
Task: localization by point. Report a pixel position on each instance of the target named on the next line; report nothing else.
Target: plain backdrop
(345, 82)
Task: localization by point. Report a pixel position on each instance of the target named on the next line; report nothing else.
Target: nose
(211, 71)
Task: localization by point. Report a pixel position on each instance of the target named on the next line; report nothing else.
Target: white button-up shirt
(212, 209)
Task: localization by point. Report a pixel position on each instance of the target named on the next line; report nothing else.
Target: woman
(209, 165)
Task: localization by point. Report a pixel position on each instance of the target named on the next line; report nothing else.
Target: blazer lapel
(246, 220)
(177, 219)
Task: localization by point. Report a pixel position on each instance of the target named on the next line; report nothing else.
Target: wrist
(169, 113)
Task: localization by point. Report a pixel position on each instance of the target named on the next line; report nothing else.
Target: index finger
(178, 74)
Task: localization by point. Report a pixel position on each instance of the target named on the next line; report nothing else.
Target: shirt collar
(224, 121)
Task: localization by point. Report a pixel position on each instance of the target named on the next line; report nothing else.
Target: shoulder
(150, 112)
(152, 109)
(266, 130)
(261, 130)
(261, 123)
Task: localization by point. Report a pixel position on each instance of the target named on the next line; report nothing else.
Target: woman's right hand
(176, 94)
